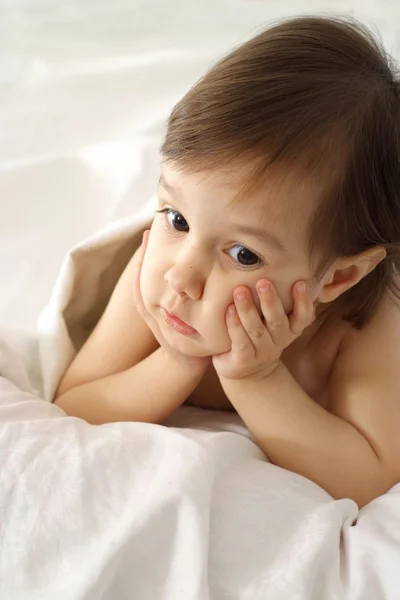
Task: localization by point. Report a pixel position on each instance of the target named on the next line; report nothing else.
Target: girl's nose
(186, 277)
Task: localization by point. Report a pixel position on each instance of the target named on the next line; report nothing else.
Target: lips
(177, 323)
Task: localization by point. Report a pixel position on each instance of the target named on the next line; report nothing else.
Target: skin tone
(249, 298)
(206, 251)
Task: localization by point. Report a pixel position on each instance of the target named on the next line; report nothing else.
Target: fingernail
(240, 296)
(264, 288)
(232, 309)
(301, 287)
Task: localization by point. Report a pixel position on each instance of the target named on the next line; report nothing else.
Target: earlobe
(347, 272)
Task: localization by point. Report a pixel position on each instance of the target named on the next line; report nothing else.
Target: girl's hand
(197, 364)
(257, 344)
(137, 295)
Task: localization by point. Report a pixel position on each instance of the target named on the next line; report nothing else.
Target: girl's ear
(347, 272)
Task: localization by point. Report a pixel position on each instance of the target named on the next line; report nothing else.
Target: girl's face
(203, 244)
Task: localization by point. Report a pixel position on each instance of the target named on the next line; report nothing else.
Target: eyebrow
(174, 192)
(258, 232)
(262, 235)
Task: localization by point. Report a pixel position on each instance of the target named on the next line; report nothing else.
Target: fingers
(240, 338)
(142, 252)
(303, 313)
(249, 315)
(252, 350)
(276, 320)
(143, 246)
(236, 361)
(258, 340)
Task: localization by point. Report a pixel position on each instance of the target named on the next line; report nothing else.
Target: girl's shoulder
(380, 336)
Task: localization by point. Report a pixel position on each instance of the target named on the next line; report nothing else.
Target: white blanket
(138, 511)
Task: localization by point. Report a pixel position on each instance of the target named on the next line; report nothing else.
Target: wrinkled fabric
(192, 510)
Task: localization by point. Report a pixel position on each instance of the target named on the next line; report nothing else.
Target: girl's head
(297, 134)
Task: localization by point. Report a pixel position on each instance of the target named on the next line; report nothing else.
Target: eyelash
(260, 263)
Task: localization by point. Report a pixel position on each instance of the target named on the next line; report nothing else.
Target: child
(267, 282)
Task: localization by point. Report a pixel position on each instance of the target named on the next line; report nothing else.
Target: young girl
(267, 281)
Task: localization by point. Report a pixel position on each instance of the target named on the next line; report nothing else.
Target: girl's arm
(353, 449)
(120, 339)
(149, 391)
(298, 434)
(121, 373)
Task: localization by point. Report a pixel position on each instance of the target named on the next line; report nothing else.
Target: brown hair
(320, 93)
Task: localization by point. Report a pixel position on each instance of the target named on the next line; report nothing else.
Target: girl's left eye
(244, 256)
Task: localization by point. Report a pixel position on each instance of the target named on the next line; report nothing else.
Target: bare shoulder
(120, 339)
(377, 345)
(365, 382)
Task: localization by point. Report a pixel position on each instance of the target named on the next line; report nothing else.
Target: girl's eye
(244, 256)
(175, 219)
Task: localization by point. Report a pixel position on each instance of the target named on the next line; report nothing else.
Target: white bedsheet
(133, 510)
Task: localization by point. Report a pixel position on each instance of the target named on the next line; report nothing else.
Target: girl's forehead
(282, 197)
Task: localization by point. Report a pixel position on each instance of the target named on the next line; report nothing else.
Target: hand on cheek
(258, 340)
(195, 364)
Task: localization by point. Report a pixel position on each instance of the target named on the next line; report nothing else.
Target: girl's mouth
(177, 323)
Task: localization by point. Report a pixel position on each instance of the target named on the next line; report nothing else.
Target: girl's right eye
(175, 219)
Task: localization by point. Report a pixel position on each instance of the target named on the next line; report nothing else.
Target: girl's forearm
(301, 436)
(149, 391)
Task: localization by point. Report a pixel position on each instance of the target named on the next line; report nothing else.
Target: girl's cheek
(150, 280)
(256, 299)
(287, 301)
(284, 292)
(213, 312)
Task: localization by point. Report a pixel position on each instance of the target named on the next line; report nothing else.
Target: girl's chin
(189, 348)
(192, 346)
